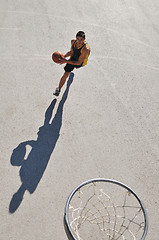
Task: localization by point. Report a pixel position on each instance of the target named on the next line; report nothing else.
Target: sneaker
(57, 92)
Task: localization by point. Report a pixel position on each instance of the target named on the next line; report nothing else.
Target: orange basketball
(56, 56)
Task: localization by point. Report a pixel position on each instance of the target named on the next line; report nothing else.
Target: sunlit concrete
(105, 123)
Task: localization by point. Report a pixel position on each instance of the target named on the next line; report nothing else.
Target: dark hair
(81, 34)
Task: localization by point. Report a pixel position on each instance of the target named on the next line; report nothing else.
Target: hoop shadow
(33, 167)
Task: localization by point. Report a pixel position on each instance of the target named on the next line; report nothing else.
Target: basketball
(56, 56)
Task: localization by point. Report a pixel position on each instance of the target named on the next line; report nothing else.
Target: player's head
(80, 37)
(81, 34)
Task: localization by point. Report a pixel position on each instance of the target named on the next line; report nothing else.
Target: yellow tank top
(86, 58)
(77, 52)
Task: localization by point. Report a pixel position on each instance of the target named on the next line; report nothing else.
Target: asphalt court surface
(105, 123)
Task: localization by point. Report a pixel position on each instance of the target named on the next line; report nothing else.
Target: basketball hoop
(105, 209)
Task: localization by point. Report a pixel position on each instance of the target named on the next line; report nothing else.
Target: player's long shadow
(33, 167)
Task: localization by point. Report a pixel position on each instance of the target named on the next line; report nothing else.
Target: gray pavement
(104, 124)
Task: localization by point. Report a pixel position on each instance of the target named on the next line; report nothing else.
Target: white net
(105, 211)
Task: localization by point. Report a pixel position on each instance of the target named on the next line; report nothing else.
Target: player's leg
(68, 68)
(61, 83)
(63, 79)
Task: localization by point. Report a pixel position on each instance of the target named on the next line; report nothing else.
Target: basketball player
(78, 54)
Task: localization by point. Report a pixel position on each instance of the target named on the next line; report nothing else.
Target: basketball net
(93, 214)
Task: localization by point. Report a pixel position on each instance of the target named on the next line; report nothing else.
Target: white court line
(127, 60)
(50, 15)
(7, 28)
(153, 146)
(29, 57)
(92, 24)
(131, 38)
(21, 12)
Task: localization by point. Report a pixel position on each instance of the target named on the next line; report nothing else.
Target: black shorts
(70, 67)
